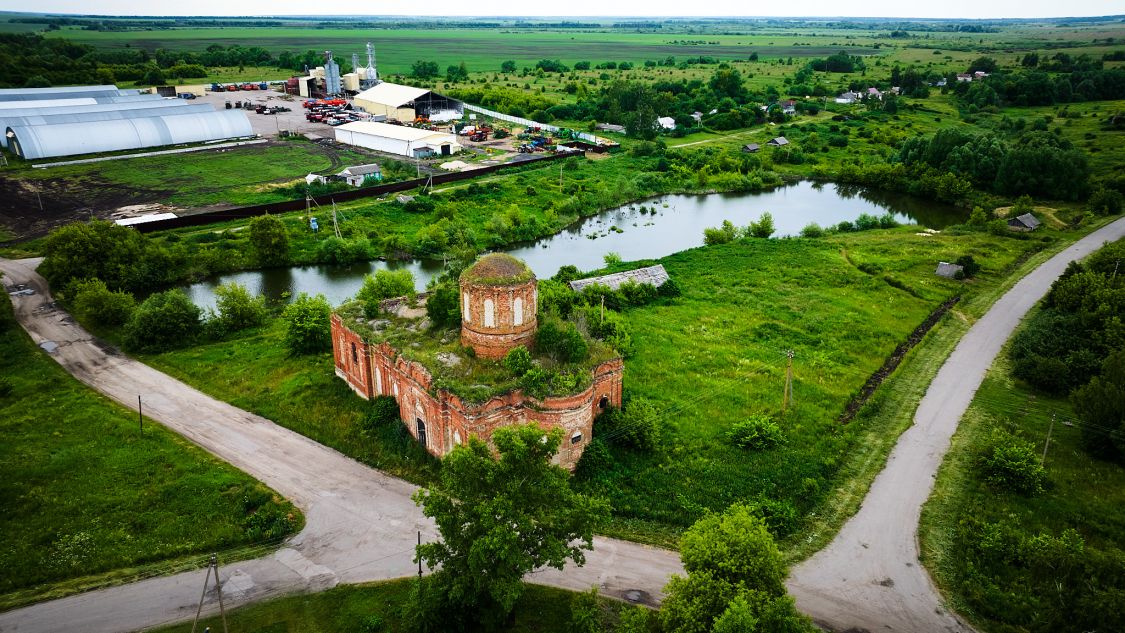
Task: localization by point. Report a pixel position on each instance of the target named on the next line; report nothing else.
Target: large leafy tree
(270, 240)
(308, 324)
(500, 517)
(94, 250)
(735, 581)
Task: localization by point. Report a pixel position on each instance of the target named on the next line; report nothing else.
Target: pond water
(647, 229)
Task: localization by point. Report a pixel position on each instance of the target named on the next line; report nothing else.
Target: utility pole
(419, 555)
(787, 396)
(1047, 444)
(140, 416)
(335, 226)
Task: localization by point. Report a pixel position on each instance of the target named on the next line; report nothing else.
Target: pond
(647, 229)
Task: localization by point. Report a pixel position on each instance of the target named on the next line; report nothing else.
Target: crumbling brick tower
(498, 305)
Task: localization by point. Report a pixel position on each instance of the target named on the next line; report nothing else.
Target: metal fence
(238, 213)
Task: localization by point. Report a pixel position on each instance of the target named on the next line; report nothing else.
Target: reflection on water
(643, 230)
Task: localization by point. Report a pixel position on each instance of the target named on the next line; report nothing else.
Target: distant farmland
(484, 49)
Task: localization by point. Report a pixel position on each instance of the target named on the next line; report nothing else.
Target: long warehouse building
(406, 103)
(95, 112)
(397, 139)
(67, 139)
(62, 92)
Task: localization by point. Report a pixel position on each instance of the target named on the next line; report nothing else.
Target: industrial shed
(397, 139)
(39, 104)
(62, 92)
(104, 112)
(406, 103)
(66, 139)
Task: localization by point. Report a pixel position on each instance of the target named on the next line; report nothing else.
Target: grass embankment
(1083, 494)
(378, 607)
(89, 499)
(707, 360)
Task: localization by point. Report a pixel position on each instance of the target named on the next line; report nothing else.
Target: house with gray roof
(1025, 222)
(652, 275)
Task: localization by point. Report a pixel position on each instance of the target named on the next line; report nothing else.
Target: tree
(735, 579)
(308, 324)
(270, 240)
(237, 308)
(457, 73)
(424, 69)
(165, 320)
(1101, 408)
(501, 517)
(384, 284)
(727, 82)
(443, 306)
(98, 250)
(561, 340)
(985, 64)
(508, 66)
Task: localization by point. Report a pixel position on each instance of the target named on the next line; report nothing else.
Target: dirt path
(360, 524)
(869, 577)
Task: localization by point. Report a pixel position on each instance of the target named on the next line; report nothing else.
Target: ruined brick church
(498, 303)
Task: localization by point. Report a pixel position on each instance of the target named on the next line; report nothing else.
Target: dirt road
(869, 577)
(360, 524)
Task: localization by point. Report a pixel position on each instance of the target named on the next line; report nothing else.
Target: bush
(763, 228)
(562, 341)
(384, 284)
(555, 297)
(270, 240)
(165, 320)
(596, 461)
(97, 250)
(608, 326)
(1100, 405)
(1105, 201)
(585, 613)
(518, 360)
(1011, 463)
(634, 293)
(756, 432)
(728, 232)
(92, 301)
(443, 306)
(636, 426)
(308, 324)
(337, 250)
(969, 266)
(382, 411)
(5, 387)
(812, 230)
(866, 222)
(238, 309)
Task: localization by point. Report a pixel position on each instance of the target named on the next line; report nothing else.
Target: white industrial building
(47, 122)
(397, 139)
(406, 103)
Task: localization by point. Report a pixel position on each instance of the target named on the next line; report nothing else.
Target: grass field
(707, 360)
(378, 607)
(88, 496)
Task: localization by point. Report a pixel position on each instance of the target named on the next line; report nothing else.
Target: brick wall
(495, 319)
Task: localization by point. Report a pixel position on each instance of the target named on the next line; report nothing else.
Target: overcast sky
(854, 8)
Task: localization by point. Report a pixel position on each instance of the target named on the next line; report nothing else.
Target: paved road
(360, 524)
(869, 577)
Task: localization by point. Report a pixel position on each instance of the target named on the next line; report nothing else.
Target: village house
(788, 106)
(399, 357)
(358, 174)
(778, 141)
(848, 97)
(1025, 222)
(751, 148)
(964, 77)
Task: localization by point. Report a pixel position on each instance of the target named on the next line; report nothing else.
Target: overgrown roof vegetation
(499, 269)
(458, 369)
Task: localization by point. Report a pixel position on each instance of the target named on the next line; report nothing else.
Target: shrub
(1011, 463)
(337, 250)
(5, 387)
(728, 232)
(165, 320)
(637, 294)
(384, 284)
(636, 426)
(669, 289)
(585, 613)
(1101, 409)
(518, 360)
(238, 309)
(763, 228)
(969, 266)
(92, 301)
(756, 432)
(561, 340)
(382, 411)
(812, 230)
(555, 297)
(866, 222)
(608, 326)
(443, 306)
(308, 324)
(1105, 201)
(596, 461)
(270, 240)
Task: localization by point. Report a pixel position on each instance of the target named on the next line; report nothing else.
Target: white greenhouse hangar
(397, 139)
(66, 121)
(66, 139)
